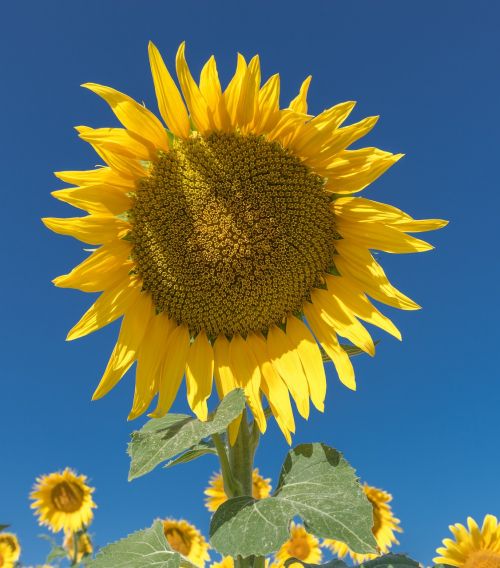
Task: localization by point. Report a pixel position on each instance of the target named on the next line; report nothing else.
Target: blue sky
(424, 422)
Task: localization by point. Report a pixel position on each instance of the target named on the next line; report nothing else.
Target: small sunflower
(385, 525)
(301, 545)
(216, 495)
(232, 242)
(187, 540)
(63, 501)
(84, 545)
(473, 548)
(226, 562)
(10, 550)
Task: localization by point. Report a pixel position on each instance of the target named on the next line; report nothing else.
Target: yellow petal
(245, 368)
(134, 325)
(120, 141)
(94, 229)
(287, 363)
(149, 358)
(95, 199)
(342, 138)
(124, 165)
(322, 130)
(326, 336)
(232, 92)
(103, 269)
(192, 94)
(132, 115)
(360, 171)
(299, 103)
(170, 101)
(172, 369)
(225, 381)
(199, 374)
(337, 315)
(99, 176)
(381, 237)
(354, 300)
(357, 263)
(211, 89)
(267, 113)
(110, 305)
(311, 359)
(273, 386)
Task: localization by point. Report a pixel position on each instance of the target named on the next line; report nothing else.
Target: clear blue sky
(424, 422)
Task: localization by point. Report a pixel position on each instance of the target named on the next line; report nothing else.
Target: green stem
(230, 483)
(241, 456)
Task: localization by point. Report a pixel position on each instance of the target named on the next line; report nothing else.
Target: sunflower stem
(241, 457)
(230, 483)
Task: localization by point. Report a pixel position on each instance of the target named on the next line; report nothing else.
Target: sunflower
(261, 488)
(385, 525)
(187, 540)
(226, 562)
(10, 550)
(473, 548)
(231, 242)
(301, 545)
(63, 501)
(84, 545)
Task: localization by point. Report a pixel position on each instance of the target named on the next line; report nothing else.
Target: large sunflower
(10, 550)
(385, 524)
(473, 548)
(187, 540)
(300, 545)
(63, 501)
(230, 241)
(261, 488)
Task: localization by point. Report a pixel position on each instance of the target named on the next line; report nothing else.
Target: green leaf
(316, 484)
(56, 553)
(143, 549)
(391, 561)
(386, 561)
(201, 449)
(161, 439)
(3, 527)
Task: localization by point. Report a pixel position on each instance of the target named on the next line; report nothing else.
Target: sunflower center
(483, 559)
(299, 549)
(230, 233)
(178, 541)
(67, 497)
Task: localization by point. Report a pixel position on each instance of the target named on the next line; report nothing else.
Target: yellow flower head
(10, 550)
(473, 548)
(63, 501)
(216, 495)
(226, 562)
(301, 545)
(84, 545)
(385, 525)
(187, 540)
(232, 242)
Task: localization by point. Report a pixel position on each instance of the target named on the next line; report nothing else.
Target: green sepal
(316, 484)
(162, 439)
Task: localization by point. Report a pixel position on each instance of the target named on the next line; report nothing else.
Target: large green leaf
(143, 549)
(201, 449)
(3, 527)
(316, 484)
(386, 561)
(165, 438)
